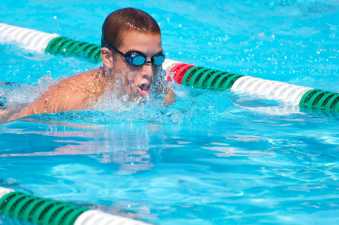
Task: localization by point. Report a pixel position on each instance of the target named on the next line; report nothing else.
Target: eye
(158, 59)
(138, 60)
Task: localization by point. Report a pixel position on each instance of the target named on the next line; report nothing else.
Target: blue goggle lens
(139, 59)
(158, 59)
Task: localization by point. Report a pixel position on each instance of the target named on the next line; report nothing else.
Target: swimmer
(132, 58)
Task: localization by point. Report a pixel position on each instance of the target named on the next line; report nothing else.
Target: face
(135, 81)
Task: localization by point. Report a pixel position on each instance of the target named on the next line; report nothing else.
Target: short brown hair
(126, 19)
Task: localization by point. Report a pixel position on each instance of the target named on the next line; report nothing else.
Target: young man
(132, 57)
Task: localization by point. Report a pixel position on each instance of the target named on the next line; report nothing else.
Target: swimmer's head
(131, 50)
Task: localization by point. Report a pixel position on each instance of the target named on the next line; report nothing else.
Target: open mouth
(144, 89)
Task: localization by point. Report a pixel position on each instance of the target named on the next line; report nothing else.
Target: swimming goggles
(138, 59)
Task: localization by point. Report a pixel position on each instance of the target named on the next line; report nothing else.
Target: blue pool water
(212, 157)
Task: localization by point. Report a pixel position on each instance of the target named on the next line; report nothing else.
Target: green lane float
(41, 211)
(319, 99)
(68, 47)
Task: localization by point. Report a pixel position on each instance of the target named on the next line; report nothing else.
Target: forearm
(169, 97)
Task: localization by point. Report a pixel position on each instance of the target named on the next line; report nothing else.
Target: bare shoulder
(77, 82)
(73, 93)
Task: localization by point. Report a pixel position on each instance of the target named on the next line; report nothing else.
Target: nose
(148, 71)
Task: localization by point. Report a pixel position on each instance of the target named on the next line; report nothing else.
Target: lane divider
(284, 92)
(181, 73)
(41, 211)
(68, 47)
(29, 39)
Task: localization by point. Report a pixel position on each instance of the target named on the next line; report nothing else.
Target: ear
(107, 58)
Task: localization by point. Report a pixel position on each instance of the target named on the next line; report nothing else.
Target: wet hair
(126, 19)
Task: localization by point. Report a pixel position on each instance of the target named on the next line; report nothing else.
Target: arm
(169, 97)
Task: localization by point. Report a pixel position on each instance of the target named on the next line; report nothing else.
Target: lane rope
(181, 73)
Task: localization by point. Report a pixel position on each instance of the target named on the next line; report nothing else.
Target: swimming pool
(213, 157)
